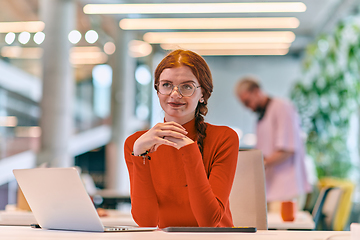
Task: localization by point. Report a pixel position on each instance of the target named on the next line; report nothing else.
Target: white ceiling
(320, 16)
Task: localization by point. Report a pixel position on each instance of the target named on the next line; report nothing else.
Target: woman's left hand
(180, 142)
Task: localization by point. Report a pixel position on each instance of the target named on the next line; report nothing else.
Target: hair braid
(200, 125)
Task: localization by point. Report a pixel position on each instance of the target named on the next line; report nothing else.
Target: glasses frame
(178, 89)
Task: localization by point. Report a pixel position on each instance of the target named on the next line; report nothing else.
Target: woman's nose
(175, 92)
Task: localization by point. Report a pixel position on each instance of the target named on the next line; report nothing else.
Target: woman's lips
(176, 104)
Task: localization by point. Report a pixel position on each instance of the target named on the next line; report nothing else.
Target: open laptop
(58, 200)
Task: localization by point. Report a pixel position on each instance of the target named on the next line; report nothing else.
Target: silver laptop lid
(248, 197)
(58, 199)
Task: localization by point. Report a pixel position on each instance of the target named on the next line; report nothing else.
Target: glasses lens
(186, 89)
(165, 88)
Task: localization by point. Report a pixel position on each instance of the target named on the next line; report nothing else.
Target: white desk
(17, 218)
(23, 218)
(303, 221)
(23, 233)
(118, 218)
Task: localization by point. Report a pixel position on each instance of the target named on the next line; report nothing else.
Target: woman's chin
(174, 114)
(179, 116)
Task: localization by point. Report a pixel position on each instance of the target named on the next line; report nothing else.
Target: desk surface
(22, 232)
(303, 220)
(23, 218)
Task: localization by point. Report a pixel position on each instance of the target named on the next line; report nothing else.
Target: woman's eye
(166, 85)
(187, 86)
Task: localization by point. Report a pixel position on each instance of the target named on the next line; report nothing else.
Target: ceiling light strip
(29, 26)
(85, 49)
(220, 46)
(247, 52)
(87, 55)
(17, 52)
(219, 37)
(181, 8)
(208, 23)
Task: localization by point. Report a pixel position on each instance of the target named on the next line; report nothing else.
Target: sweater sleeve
(209, 196)
(144, 205)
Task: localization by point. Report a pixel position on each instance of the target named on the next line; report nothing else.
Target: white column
(122, 108)
(58, 83)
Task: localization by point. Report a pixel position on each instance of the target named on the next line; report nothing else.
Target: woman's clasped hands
(168, 133)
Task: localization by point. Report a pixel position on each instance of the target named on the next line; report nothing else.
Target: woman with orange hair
(181, 171)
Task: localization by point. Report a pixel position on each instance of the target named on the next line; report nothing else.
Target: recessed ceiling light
(74, 36)
(24, 37)
(39, 37)
(10, 38)
(109, 48)
(91, 36)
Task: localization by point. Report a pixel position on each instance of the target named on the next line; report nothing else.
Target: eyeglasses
(185, 89)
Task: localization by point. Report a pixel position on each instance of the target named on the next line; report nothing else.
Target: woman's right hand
(155, 137)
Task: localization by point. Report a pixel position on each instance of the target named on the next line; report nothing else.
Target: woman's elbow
(143, 221)
(212, 221)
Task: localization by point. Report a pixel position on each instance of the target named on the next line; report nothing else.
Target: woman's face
(178, 108)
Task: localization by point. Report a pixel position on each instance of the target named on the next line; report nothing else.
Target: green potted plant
(327, 96)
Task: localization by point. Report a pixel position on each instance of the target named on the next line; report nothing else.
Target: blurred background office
(76, 77)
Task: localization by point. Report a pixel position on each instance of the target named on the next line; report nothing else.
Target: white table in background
(303, 221)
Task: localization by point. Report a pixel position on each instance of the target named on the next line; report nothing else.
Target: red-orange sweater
(180, 187)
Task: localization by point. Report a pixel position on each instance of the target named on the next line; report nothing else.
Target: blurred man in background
(278, 137)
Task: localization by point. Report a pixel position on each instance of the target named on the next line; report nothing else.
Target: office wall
(277, 75)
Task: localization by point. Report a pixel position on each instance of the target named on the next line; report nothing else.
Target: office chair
(247, 197)
(331, 206)
(345, 203)
(316, 212)
(317, 215)
(326, 206)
